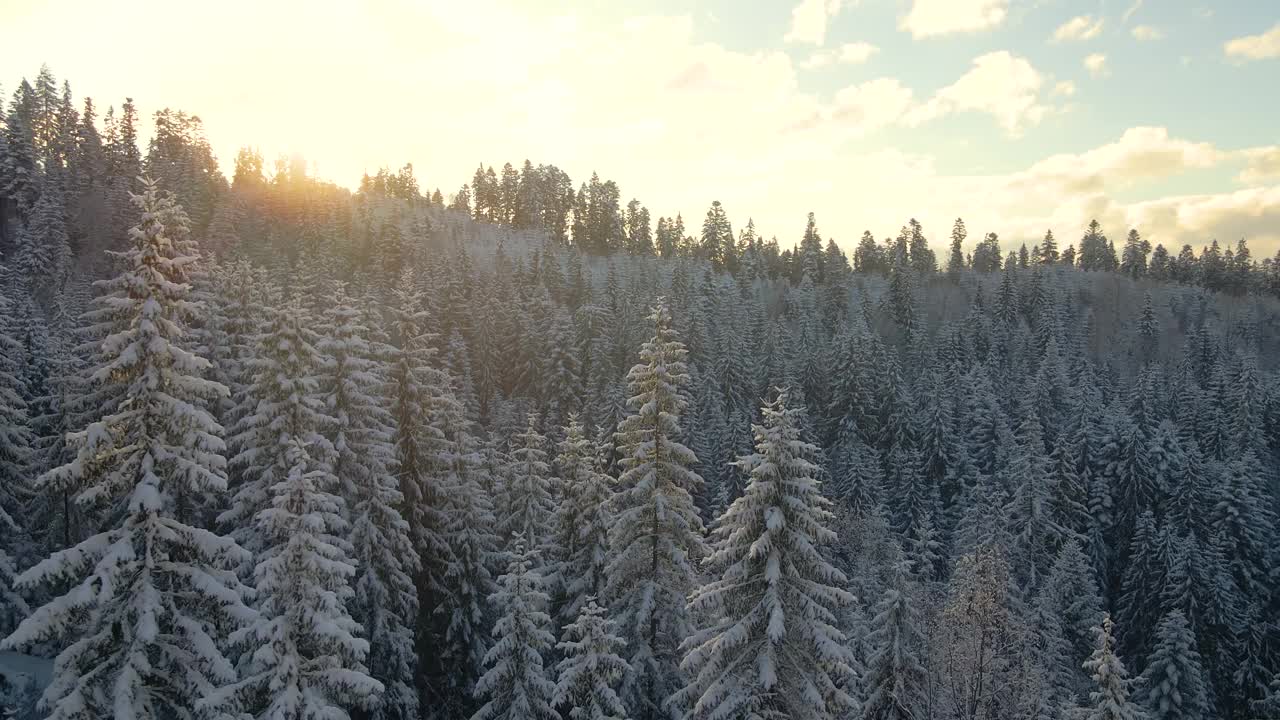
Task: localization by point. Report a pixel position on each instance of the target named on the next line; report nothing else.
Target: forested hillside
(271, 448)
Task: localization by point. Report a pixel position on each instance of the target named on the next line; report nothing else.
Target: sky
(1017, 115)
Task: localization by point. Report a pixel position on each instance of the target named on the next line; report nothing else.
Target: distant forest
(270, 448)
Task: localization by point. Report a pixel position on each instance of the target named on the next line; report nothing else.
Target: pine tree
(286, 405)
(1111, 699)
(516, 683)
(473, 556)
(150, 596)
(1144, 575)
(588, 675)
(581, 522)
(527, 506)
(1037, 537)
(894, 684)
(1069, 596)
(385, 602)
(15, 465)
(955, 261)
(303, 657)
(44, 251)
(656, 535)
(1049, 249)
(1173, 683)
(771, 647)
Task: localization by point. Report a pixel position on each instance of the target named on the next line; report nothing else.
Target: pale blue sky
(866, 112)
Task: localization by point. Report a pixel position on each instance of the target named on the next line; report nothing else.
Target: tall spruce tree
(516, 686)
(385, 601)
(1110, 700)
(147, 600)
(770, 646)
(1173, 683)
(304, 656)
(580, 523)
(657, 535)
(588, 676)
(895, 682)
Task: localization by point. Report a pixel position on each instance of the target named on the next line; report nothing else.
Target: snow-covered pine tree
(581, 522)
(1070, 596)
(43, 253)
(15, 462)
(563, 370)
(1110, 701)
(60, 520)
(526, 504)
(588, 676)
(385, 601)
(657, 536)
(894, 684)
(1036, 534)
(516, 684)
(286, 405)
(770, 647)
(1143, 579)
(150, 597)
(473, 558)
(1173, 685)
(303, 654)
(427, 419)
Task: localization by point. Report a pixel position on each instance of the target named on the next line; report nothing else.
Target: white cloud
(870, 105)
(1141, 153)
(1001, 84)
(1065, 191)
(857, 53)
(809, 21)
(1064, 88)
(1263, 164)
(1255, 47)
(1096, 64)
(1081, 27)
(1147, 32)
(849, 54)
(929, 18)
(1129, 13)
(1252, 214)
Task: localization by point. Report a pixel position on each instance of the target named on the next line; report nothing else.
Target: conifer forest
(522, 449)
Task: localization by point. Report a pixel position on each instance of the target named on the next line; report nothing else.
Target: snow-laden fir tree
(1036, 534)
(304, 657)
(1069, 595)
(516, 685)
(770, 646)
(473, 560)
(580, 523)
(284, 404)
(150, 598)
(15, 462)
(526, 501)
(657, 535)
(385, 601)
(60, 521)
(895, 679)
(1173, 681)
(1110, 698)
(419, 400)
(588, 676)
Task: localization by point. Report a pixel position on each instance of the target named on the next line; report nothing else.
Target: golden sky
(1016, 116)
